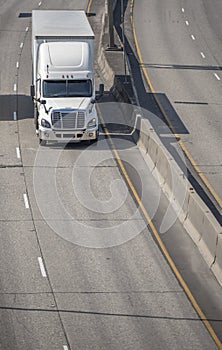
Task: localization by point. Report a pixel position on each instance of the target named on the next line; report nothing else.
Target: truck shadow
(21, 104)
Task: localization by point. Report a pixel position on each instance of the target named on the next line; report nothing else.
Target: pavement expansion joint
(123, 292)
(15, 221)
(25, 293)
(5, 166)
(70, 167)
(85, 220)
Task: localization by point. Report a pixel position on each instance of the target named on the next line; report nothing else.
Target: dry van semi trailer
(63, 88)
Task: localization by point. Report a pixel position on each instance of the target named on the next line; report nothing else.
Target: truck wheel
(36, 115)
(42, 142)
(95, 140)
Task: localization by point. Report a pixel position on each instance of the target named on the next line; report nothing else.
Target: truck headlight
(45, 123)
(92, 123)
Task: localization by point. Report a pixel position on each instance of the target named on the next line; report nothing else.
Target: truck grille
(68, 120)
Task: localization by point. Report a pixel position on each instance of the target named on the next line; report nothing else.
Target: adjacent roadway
(179, 44)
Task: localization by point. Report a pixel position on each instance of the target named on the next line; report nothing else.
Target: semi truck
(63, 85)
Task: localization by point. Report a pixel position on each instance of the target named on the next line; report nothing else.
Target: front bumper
(68, 136)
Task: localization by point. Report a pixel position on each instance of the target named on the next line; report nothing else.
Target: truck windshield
(67, 88)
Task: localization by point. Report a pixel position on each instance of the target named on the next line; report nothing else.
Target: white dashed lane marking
(202, 54)
(18, 153)
(42, 267)
(217, 76)
(25, 198)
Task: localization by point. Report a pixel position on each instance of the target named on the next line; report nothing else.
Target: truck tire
(42, 142)
(36, 115)
(95, 140)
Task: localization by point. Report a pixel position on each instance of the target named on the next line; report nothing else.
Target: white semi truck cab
(63, 87)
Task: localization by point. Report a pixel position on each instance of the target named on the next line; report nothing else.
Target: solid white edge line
(18, 153)
(15, 87)
(15, 116)
(25, 197)
(65, 347)
(202, 54)
(217, 76)
(187, 23)
(42, 267)
(193, 37)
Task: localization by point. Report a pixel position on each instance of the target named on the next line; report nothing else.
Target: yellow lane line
(89, 6)
(159, 240)
(181, 143)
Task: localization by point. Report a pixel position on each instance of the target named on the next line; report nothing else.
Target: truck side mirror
(100, 92)
(32, 91)
(101, 89)
(43, 102)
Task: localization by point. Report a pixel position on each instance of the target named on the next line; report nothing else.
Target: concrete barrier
(177, 190)
(200, 224)
(210, 231)
(105, 69)
(217, 265)
(103, 65)
(143, 136)
(163, 165)
(196, 218)
(171, 178)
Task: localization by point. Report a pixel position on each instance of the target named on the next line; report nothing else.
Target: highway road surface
(79, 266)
